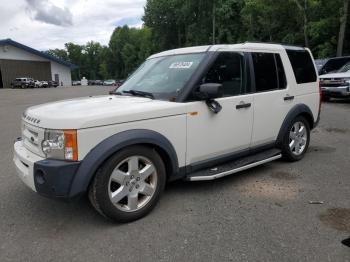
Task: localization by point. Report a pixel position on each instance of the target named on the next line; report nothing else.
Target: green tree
(129, 47)
(59, 53)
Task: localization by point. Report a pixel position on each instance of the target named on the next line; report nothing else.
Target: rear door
(273, 97)
(305, 79)
(212, 136)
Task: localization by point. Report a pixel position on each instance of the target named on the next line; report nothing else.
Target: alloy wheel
(132, 183)
(298, 137)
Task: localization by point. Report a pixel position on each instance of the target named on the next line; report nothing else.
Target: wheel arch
(297, 110)
(105, 149)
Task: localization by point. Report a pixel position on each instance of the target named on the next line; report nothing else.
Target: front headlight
(60, 144)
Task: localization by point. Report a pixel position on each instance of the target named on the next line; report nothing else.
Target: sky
(49, 24)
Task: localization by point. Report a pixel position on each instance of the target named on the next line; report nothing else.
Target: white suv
(196, 113)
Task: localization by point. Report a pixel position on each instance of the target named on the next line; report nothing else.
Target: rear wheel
(296, 140)
(128, 186)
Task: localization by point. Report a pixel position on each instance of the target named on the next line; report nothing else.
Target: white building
(18, 60)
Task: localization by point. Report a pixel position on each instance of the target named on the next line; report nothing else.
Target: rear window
(303, 66)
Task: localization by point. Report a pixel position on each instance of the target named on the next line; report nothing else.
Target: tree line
(320, 25)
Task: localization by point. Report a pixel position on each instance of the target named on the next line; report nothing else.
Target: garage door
(11, 69)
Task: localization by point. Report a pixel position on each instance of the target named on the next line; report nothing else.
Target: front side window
(163, 77)
(228, 70)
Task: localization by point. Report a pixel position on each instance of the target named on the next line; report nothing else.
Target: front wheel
(296, 140)
(128, 185)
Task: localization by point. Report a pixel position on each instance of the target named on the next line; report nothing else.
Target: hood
(98, 111)
(336, 75)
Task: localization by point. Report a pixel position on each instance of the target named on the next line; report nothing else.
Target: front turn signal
(70, 145)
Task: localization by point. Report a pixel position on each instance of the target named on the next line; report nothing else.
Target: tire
(301, 137)
(135, 193)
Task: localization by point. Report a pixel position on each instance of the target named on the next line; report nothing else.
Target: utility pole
(214, 22)
(342, 29)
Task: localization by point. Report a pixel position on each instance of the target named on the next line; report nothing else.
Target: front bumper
(337, 92)
(24, 162)
(48, 177)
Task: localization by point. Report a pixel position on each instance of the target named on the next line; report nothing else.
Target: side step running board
(225, 170)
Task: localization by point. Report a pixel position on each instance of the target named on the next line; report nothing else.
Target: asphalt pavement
(263, 214)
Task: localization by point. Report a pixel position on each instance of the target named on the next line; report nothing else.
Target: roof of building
(9, 41)
(213, 48)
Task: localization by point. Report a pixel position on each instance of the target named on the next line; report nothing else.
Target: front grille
(333, 82)
(32, 137)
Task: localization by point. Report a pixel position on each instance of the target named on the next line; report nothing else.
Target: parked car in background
(53, 83)
(320, 63)
(76, 83)
(44, 84)
(23, 82)
(109, 82)
(95, 82)
(332, 65)
(120, 82)
(336, 84)
(37, 83)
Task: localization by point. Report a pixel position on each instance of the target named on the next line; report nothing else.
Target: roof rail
(285, 45)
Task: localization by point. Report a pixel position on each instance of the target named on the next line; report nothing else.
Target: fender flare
(111, 145)
(293, 113)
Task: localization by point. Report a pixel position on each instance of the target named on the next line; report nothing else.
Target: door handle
(243, 105)
(288, 98)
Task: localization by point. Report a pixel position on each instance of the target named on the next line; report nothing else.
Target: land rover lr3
(197, 113)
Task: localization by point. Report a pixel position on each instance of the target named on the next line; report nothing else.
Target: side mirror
(210, 91)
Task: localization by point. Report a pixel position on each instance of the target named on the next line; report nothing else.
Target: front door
(211, 136)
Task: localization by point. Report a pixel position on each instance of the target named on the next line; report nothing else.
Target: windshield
(163, 77)
(333, 65)
(345, 68)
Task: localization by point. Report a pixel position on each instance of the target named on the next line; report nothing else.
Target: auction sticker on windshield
(181, 65)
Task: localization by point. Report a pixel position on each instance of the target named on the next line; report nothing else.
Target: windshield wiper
(139, 93)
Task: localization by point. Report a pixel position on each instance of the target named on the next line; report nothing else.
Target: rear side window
(303, 66)
(269, 72)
